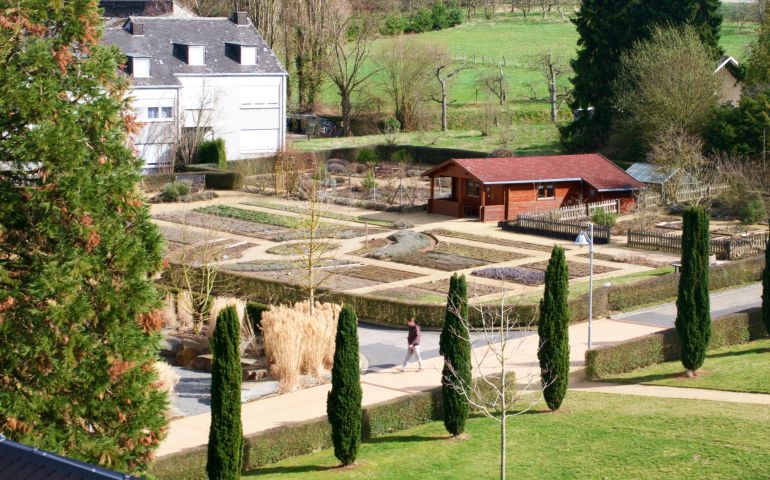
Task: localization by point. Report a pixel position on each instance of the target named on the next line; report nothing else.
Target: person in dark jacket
(413, 339)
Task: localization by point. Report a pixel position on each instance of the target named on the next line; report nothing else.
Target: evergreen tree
(758, 63)
(693, 316)
(766, 288)
(607, 29)
(225, 449)
(553, 330)
(455, 347)
(343, 405)
(78, 318)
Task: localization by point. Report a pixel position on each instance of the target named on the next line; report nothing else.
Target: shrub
(225, 180)
(225, 448)
(607, 219)
(343, 404)
(664, 346)
(440, 14)
(455, 17)
(390, 126)
(394, 24)
(752, 211)
(455, 347)
(172, 191)
(553, 331)
(255, 310)
(421, 22)
(693, 318)
(367, 155)
(368, 182)
(213, 151)
(297, 342)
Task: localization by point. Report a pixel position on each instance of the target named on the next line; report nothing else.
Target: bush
(664, 346)
(752, 211)
(213, 151)
(224, 180)
(394, 24)
(440, 15)
(391, 125)
(367, 155)
(172, 191)
(255, 310)
(455, 347)
(604, 218)
(368, 182)
(455, 17)
(553, 331)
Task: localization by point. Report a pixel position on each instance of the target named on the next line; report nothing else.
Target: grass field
(593, 436)
(739, 368)
(515, 43)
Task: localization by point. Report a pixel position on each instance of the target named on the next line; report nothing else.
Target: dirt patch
(442, 286)
(379, 274)
(372, 245)
(225, 224)
(493, 240)
(486, 254)
(440, 261)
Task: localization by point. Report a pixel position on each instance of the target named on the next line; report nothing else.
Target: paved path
(722, 303)
(671, 392)
(386, 383)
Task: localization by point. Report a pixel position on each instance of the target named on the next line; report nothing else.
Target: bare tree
(444, 72)
(496, 391)
(496, 85)
(553, 69)
(197, 122)
(348, 55)
(312, 41)
(407, 66)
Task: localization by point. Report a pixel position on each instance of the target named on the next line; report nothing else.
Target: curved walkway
(672, 392)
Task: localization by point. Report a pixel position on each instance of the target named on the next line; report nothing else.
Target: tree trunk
(443, 106)
(346, 108)
(552, 90)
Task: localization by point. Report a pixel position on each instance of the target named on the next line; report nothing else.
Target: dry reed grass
(219, 304)
(297, 342)
(169, 311)
(184, 310)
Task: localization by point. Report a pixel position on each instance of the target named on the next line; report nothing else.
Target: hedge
(393, 313)
(304, 437)
(664, 346)
(224, 180)
(213, 152)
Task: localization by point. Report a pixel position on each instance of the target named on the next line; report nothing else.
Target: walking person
(414, 344)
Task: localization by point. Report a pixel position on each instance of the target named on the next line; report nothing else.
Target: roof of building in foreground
(18, 461)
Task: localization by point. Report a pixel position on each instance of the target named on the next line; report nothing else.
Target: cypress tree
(693, 316)
(78, 319)
(225, 449)
(553, 330)
(766, 288)
(455, 347)
(343, 405)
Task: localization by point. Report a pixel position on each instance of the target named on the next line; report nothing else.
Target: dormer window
(138, 66)
(190, 54)
(243, 54)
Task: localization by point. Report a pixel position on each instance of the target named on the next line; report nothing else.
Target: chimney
(241, 18)
(137, 28)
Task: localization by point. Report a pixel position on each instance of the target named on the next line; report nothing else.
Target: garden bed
(520, 275)
(493, 240)
(440, 261)
(474, 289)
(226, 224)
(576, 269)
(478, 253)
(379, 274)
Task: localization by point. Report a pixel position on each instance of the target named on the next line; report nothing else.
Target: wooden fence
(725, 248)
(576, 212)
(536, 225)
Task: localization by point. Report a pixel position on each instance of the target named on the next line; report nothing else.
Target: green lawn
(739, 368)
(594, 436)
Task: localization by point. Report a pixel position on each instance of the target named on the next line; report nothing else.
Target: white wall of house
(157, 109)
(247, 111)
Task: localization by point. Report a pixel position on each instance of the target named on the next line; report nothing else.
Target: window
(196, 55)
(152, 112)
(473, 188)
(140, 67)
(248, 55)
(545, 192)
(166, 112)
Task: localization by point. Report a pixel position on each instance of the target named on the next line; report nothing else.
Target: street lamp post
(586, 237)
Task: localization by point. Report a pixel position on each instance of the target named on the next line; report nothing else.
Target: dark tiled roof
(593, 168)
(20, 462)
(161, 33)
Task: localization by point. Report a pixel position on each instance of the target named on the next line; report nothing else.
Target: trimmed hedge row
(664, 346)
(393, 313)
(300, 438)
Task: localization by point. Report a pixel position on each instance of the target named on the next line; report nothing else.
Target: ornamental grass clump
(297, 342)
(219, 304)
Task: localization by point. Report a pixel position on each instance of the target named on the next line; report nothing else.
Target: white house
(194, 73)
(730, 88)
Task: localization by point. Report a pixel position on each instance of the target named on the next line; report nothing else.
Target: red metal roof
(592, 168)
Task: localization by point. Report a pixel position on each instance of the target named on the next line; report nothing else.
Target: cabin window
(473, 188)
(546, 192)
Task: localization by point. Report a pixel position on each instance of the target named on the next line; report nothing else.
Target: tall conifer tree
(693, 316)
(78, 325)
(225, 449)
(553, 331)
(455, 347)
(766, 288)
(343, 405)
